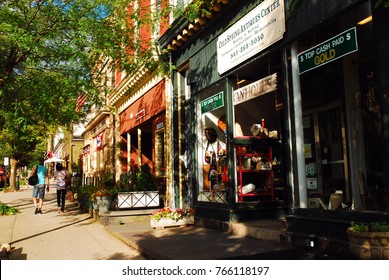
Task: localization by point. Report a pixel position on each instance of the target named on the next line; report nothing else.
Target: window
(212, 163)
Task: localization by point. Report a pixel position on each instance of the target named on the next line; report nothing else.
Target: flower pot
(166, 222)
(369, 245)
(143, 199)
(104, 203)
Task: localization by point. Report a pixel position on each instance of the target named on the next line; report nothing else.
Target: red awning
(146, 107)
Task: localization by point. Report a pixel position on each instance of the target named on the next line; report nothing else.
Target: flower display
(174, 214)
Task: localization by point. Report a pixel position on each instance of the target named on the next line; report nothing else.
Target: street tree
(51, 52)
(47, 51)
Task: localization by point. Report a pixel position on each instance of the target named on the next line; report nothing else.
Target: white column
(128, 151)
(139, 148)
(298, 123)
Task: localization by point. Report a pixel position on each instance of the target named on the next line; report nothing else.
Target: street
(52, 236)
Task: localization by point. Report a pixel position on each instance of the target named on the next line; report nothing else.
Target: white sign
(257, 30)
(6, 161)
(258, 88)
(311, 183)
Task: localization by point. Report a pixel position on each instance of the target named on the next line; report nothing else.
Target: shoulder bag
(67, 180)
(33, 179)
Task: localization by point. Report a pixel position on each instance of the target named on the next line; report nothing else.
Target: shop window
(257, 139)
(212, 168)
(342, 123)
(184, 81)
(86, 163)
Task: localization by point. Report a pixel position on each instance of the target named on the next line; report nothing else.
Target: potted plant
(105, 192)
(369, 241)
(138, 189)
(85, 196)
(168, 217)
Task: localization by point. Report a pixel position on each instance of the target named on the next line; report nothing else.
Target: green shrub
(7, 210)
(370, 227)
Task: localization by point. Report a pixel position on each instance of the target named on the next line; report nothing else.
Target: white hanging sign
(257, 30)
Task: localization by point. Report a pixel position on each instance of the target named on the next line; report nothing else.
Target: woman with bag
(60, 175)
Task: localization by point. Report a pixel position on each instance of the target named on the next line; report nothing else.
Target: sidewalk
(199, 243)
(177, 243)
(54, 236)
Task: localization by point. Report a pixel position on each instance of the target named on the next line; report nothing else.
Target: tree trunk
(12, 175)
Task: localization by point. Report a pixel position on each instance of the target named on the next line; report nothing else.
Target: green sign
(213, 102)
(330, 50)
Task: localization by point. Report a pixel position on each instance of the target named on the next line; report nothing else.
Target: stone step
(123, 216)
(270, 230)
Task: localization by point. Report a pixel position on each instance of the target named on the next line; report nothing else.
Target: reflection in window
(213, 166)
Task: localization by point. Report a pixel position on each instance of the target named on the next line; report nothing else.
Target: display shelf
(254, 169)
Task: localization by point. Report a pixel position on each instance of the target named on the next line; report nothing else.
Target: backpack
(33, 179)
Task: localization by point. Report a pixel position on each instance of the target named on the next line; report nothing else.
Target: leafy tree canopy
(49, 50)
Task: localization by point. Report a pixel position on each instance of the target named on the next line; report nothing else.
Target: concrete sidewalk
(53, 236)
(176, 243)
(199, 243)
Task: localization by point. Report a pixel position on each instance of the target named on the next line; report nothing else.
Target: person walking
(38, 192)
(60, 175)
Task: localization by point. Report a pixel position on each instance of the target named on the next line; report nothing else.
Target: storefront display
(317, 97)
(255, 172)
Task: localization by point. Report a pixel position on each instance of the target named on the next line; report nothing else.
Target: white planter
(164, 222)
(138, 199)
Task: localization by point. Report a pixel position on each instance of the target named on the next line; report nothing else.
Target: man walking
(38, 193)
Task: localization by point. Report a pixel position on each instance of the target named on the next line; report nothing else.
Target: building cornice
(174, 38)
(101, 115)
(127, 84)
(149, 82)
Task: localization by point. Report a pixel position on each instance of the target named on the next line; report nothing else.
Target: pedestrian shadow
(51, 230)
(26, 203)
(71, 215)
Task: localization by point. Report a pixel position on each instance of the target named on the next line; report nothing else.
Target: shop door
(326, 158)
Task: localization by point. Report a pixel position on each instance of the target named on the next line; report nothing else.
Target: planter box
(164, 222)
(146, 199)
(103, 203)
(369, 245)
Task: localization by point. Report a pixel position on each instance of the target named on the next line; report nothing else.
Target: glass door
(326, 158)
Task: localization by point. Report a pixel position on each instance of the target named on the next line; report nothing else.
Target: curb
(144, 251)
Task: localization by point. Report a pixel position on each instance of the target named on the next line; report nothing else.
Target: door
(326, 157)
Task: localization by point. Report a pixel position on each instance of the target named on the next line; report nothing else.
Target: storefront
(231, 103)
(293, 126)
(142, 131)
(240, 149)
(336, 69)
(96, 159)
